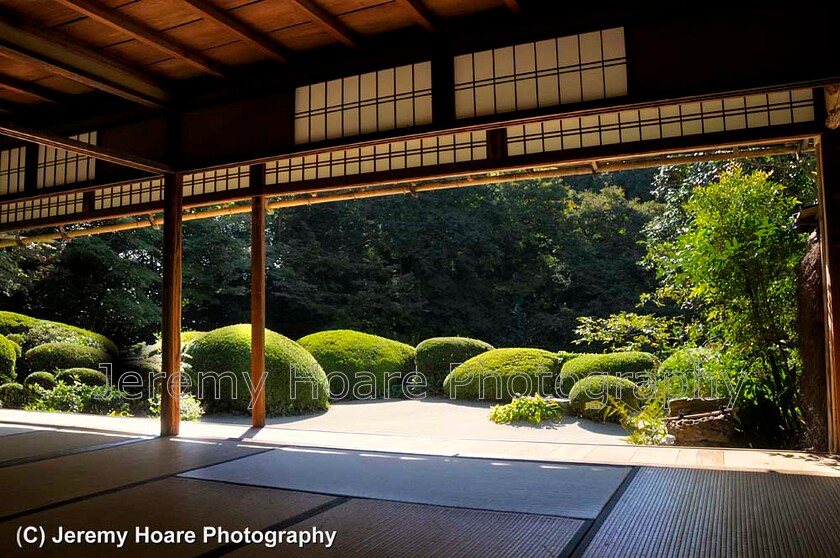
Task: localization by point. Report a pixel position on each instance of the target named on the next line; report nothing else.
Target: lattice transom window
(57, 167)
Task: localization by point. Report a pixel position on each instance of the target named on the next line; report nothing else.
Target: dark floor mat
(41, 443)
(707, 513)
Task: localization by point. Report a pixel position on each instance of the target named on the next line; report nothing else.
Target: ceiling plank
(29, 88)
(514, 6)
(245, 32)
(45, 138)
(59, 54)
(420, 13)
(329, 22)
(140, 32)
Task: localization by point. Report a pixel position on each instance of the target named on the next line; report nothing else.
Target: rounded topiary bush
(369, 363)
(589, 396)
(8, 358)
(85, 376)
(500, 374)
(626, 364)
(30, 332)
(14, 323)
(436, 356)
(59, 356)
(43, 379)
(12, 396)
(295, 382)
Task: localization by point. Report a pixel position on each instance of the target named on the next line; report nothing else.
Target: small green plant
(191, 409)
(646, 426)
(78, 398)
(533, 409)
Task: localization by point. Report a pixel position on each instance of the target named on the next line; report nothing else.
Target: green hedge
(629, 363)
(12, 396)
(589, 396)
(59, 356)
(436, 356)
(500, 374)
(228, 350)
(86, 376)
(43, 379)
(355, 355)
(34, 332)
(8, 358)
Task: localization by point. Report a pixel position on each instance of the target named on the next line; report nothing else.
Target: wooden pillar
(258, 210)
(170, 402)
(828, 157)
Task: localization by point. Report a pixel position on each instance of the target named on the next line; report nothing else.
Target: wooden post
(258, 210)
(828, 158)
(170, 402)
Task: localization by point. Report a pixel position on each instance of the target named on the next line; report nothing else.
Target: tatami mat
(40, 443)
(32, 485)
(170, 504)
(7, 429)
(577, 491)
(703, 513)
(366, 528)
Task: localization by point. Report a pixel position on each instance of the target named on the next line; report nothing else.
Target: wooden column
(170, 403)
(828, 157)
(258, 210)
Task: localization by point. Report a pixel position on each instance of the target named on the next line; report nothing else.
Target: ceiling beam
(140, 32)
(514, 6)
(245, 32)
(329, 22)
(29, 88)
(45, 138)
(420, 13)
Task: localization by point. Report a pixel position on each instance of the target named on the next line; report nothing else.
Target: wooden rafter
(140, 32)
(29, 88)
(44, 138)
(245, 32)
(329, 22)
(514, 6)
(59, 54)
(420, 13)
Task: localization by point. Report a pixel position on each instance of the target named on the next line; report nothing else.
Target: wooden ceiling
(161, 42)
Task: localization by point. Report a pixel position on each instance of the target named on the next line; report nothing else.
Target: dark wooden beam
(29, 88)
(245, 32)
(258, 298)
(140, 32)
(329, 22)
(828, 157)
(82, 148)
(420, 13)
(59, 54)
(170, 398)
(513, 5)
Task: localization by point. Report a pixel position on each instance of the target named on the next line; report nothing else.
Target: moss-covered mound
(51, 357)
(34, 332)
(436, 357)
(625, 364)
(8, 357)
(500, 374)
(43, 379)
(12, 396)
(369, 363)
(295, 382)
(85, 376)
(589, 396)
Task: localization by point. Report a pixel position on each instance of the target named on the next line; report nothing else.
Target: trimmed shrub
(591, 395)
(693, 372)
(16, 338)
(60, 356)
(8, 358)
(227, 352)
(85, 376)
(12, 322)
(501, 374)
(43, 379)
(34, 332)
(436, 356)
(629, 363)
(357, 356)
(12, 396)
